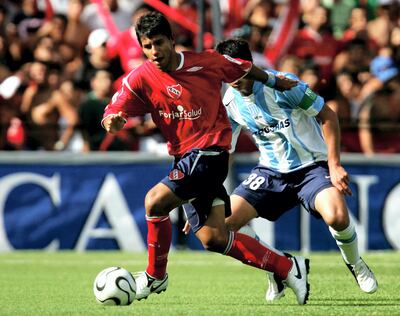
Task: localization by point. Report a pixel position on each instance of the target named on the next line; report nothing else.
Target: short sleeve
(301, 96)
(232, 69)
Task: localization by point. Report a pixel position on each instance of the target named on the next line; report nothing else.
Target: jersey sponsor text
(271, 129)
(181, 114)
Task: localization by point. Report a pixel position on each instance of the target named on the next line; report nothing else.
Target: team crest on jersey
(176, 174)
(174, 91)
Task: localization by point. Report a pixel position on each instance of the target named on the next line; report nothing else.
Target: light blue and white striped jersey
(283, 124)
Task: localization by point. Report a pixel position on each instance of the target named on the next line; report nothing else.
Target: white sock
(247, 230)
(347, 242)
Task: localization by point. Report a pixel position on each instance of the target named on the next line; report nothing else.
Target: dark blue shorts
(272, 193)
(198, 177)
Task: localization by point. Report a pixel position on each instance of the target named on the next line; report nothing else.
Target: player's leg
(215, 237)
(242, 213)
(266, 194)
(332, 207)
(319, 195)
(159, 201)
(198, 173)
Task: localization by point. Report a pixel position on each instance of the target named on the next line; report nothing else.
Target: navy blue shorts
(198, 177)
(272, 193)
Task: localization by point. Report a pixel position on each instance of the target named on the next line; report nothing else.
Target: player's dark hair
(236, 48)
(152, 24)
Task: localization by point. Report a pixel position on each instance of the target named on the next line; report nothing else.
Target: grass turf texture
(201, 283)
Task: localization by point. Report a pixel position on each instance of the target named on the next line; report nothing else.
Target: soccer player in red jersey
(182, 93)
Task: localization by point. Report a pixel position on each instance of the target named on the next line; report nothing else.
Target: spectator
(4, 70)
(340, 11)
(12, 130)
(94, 19)
(46, 51)
(354, 58)
(184, 38)
(260, 13)
(91, 111)
(395, 43)
(125, 45)
(92, 108)
(76, 31)
(357, 23)
(97, 59)
(55, 28)
(347, 104)
(27, 19)
(383, 69)
(232, 14)
(290, 63)
(316, 42)
(379, 28)
(380, 115)
(309, 73)
(43, 107)
(257, 38)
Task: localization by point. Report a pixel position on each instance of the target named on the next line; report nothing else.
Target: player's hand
(340, 179)
(283, 83)
(114, 122)
(186, 228)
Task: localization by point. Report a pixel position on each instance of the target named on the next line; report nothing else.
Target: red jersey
(185, 104)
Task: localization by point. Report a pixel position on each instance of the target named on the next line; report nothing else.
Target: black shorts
(198, 177)
(272, 193)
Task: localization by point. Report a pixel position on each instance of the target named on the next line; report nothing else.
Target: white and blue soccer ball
(114, 286)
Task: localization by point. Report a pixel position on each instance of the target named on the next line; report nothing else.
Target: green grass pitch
(201, 283)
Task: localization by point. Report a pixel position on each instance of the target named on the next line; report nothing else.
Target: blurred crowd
(61, 61)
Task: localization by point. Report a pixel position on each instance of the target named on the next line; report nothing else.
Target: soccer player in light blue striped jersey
(297, 135)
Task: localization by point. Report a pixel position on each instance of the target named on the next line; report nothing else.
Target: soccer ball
(114, 286)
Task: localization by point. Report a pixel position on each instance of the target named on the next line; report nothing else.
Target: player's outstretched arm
(280, 82)
(114, 122)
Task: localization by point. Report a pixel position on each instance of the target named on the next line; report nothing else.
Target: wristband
(271, 81)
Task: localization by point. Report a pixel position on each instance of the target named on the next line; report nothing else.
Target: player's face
(160, 51)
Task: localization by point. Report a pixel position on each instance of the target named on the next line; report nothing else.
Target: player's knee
(214, 243)
(232, 225)
(337, 218)
(156, 204)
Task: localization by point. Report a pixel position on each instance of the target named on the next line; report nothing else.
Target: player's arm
(125, 102)
(314, 105)
(331, 130)
(279, 82)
